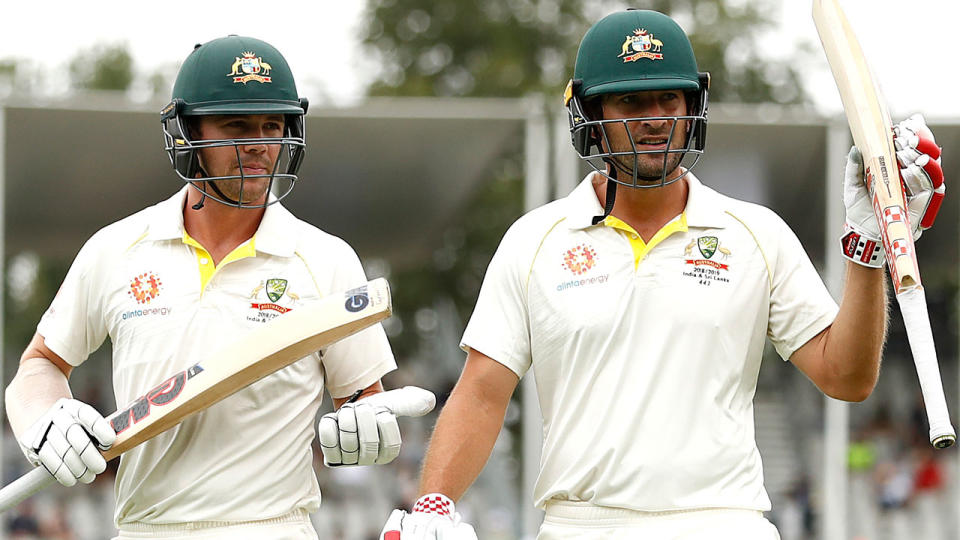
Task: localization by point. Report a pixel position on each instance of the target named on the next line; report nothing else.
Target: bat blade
(870, 126)
(272, 347)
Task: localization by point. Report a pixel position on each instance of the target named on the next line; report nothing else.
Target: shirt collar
(275, 235)
(704, 206)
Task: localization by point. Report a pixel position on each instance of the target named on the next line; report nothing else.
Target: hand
(366, 432)
(434, 517)
(66, 441)
(918, 157)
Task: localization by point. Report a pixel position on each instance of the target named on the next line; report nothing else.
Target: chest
(161, 319)
(586, 285)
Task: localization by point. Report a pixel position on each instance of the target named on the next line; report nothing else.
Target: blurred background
(439, 123)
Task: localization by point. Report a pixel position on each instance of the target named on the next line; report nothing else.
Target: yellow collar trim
(641, 248)
(205, 261)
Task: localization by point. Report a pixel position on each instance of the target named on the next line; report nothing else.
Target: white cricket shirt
(155, 292)
(646, 355)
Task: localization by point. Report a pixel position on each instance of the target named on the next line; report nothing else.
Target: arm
(374, 388)
(54, 430)
(468, 426)
(40, 381)
(844, 359)
(363, 430)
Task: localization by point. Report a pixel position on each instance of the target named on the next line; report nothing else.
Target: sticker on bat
(357, 299)
(164, 393)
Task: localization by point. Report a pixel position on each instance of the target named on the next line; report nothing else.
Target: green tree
(514, 47)
(102, 67)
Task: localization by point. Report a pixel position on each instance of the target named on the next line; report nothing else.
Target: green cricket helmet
(234, 75)
(633, 51)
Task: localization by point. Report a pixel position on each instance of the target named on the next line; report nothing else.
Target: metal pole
(3, 286)
(836, 428)
(536, 192)
(566, 164)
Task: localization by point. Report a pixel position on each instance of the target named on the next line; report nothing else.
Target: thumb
(406, 401)
(391, 530)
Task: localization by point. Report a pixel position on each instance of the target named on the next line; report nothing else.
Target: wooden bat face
(270, 348)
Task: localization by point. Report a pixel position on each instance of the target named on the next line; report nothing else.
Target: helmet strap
(611, 195)
(199, 205)
(216, 190)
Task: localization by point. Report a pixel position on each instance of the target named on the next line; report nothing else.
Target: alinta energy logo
(145, 287)
(579, 260)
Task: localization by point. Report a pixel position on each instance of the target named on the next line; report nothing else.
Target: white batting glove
(66, 441)
(433, 517)
(366, 432)
(918, 157)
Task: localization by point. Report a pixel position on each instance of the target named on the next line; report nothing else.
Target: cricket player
(185, 277)
(643, 300)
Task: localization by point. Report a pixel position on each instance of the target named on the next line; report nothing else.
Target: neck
(647, 210)
(217, 227)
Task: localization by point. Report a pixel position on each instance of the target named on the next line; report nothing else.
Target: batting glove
(433, 517)
(67, 441)
(366, 432)
(918, 157)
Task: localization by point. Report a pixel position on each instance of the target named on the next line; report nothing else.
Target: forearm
(853, 347)
(463, 439)
(37, 385)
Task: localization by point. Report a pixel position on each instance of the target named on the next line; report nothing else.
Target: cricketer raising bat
(871, 128)
(259, 353)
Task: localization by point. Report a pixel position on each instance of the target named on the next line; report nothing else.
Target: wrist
(861, 248)
(434, 503)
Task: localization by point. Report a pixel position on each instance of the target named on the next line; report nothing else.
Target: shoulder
(530, 229)
(756, 217)
(311, 241)
(763, 228)
(120, 236)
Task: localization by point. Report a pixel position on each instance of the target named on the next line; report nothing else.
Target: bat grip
(25, 486)
(913, 306)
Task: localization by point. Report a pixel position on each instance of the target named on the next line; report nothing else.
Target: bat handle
(913, 306)
(25, 486)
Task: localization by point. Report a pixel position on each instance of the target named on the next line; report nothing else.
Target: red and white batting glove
(433, 517)
(919, 159)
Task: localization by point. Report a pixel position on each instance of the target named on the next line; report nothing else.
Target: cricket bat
(872, 134)
(275, 345)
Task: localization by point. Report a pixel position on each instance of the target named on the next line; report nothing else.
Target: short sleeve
(362, 359)
(73, 326)
(499, 326)
(800, 304)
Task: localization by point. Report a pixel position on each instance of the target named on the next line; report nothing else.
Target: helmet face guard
(627, 52)
(591, 140)
(184, 151)
(234, 76)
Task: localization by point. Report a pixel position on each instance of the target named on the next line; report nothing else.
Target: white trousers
(293, 526)
(583, 521)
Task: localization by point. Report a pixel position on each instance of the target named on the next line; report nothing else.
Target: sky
(908, 43)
